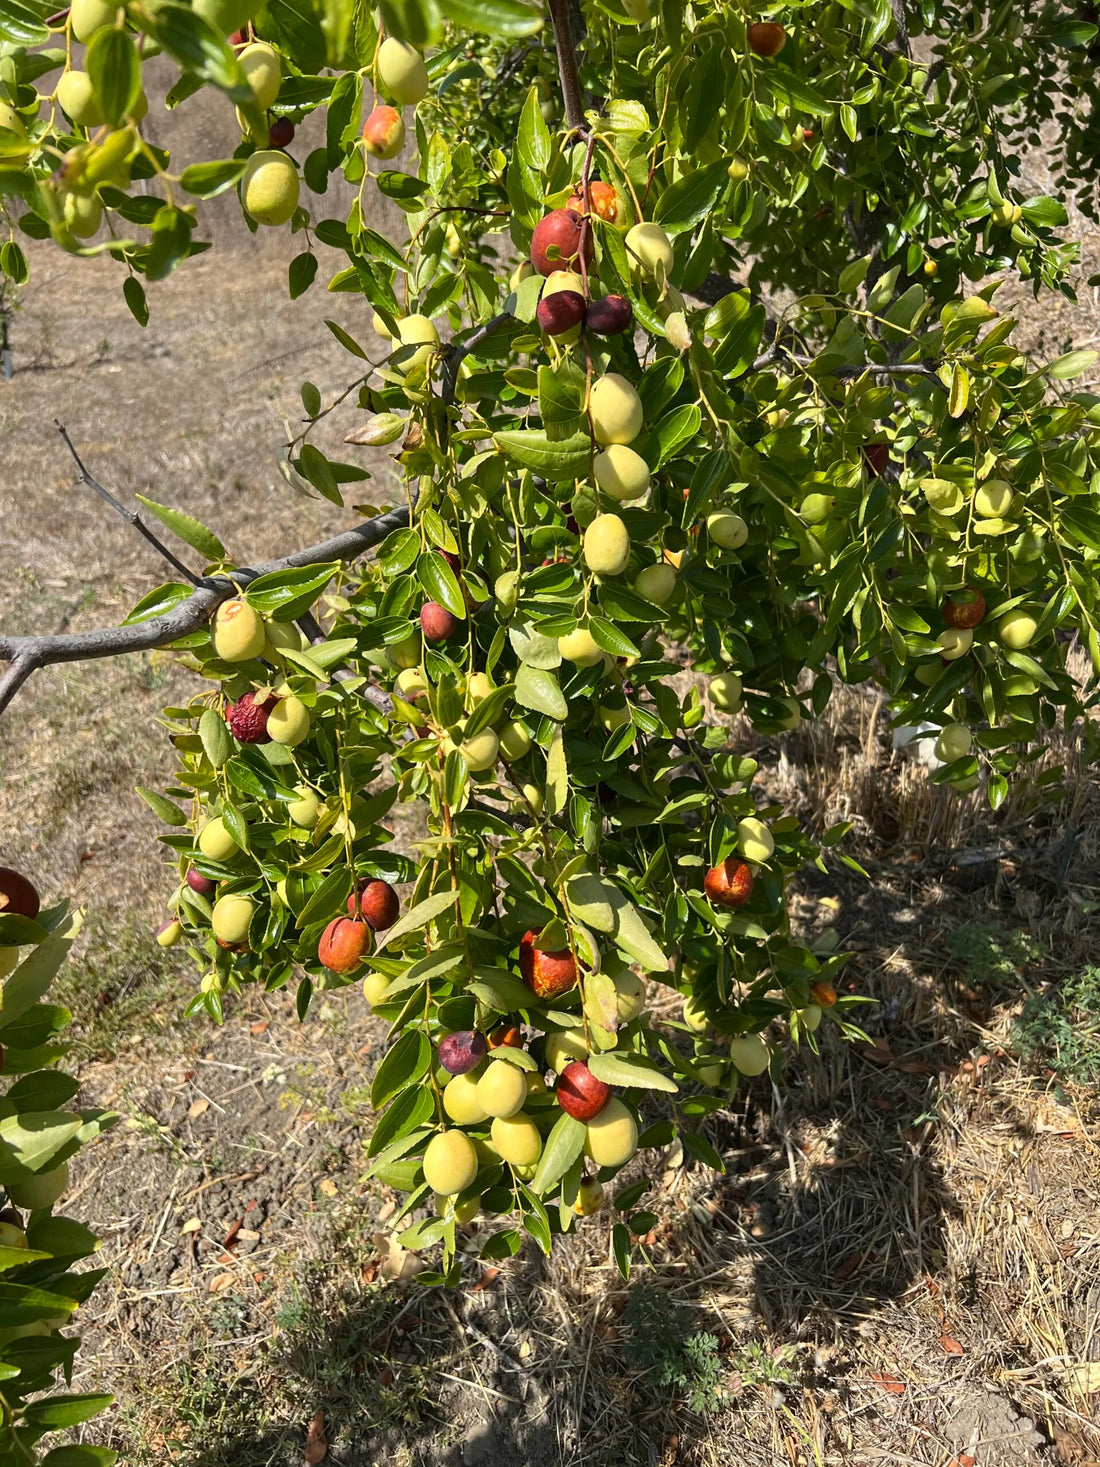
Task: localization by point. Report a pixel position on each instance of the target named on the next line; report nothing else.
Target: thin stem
(567, 64)
(456, 355)
(131, 516)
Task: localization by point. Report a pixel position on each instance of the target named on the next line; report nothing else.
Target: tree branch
(456, 354)
(131, 516)
(567, 64)
(777, 355)
(26, 654)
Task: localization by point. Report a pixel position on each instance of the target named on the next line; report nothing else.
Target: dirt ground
(902, 1261)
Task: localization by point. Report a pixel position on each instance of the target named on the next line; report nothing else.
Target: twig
(28, 653)
(314, 632)
(778, 354)
(131, 516)
(567, 64)
(457, 354)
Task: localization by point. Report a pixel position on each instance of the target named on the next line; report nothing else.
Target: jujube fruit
(611, 1139)
(560, 312)
(621, 473)
(76, 98)
(263, 71)
(579, 1093)
(461, 1052)
(656, 582)
(729, 884)
(281, 133)
(342, 944)
(436, 622)
(615, 409)
(384, 132)
(609, 316)
(581, 647)
(964, 608)
(517, 1139)
(1017, 628)
(556, 241)
(461, 1102)
(754, 840)
(402, 72)
(750, 1054)
(216, 842)
(450, 1163)
(547, 974)
(239, 633)
(502, 1089)
(378, 904)
(232, 917)
(18, 898)
(248, 718)
(270, 188)
(606, 546)
(650, 249)
(288, 722)
(766, 38)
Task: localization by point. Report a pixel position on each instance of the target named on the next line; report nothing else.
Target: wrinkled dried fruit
(248, 719)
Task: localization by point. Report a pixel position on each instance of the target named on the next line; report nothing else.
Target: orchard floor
(902, 1262)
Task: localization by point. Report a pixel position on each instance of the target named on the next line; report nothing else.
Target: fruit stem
(567, 64)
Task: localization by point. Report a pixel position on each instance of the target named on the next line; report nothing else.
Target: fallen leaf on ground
(889, 1383)
(197, 1108)
(221, 1281)
(192, 1225)
(1086, 1376)
(950, 1346)
(231, 1236)
(316, 1441)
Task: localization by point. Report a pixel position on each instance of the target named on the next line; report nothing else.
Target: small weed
(675, 1357)
(994, 957)
(1061, 1029)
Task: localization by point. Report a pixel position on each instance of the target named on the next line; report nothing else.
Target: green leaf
(410, 1110)
(161, 806)
(288, 594)
(557, 776)
(403, 1065)
(441, 583)
(610, 638)
(190, 530)
(787, 86)
(35, 973)
(561, 1149)
(620, 1246)
(55, 1412)
(623, 1068)
(539, 689)
(207, 180)
(217, 741)
(61, 1237)
(691, 198)
(557, 460)
(1072, 364)
(33, 1138)
(533, 142)
(508, 19)
(400, 186)
(419, 916)
(23, 22)
(302, 273)
(133, 293)
(80, 1457)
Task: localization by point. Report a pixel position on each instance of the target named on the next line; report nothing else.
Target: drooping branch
(456, 353)
(27, 654)
(567, 64)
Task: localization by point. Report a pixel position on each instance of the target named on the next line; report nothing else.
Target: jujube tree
(703, 371)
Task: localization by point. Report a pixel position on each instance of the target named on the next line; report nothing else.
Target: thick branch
(567, 64)
(28, 653)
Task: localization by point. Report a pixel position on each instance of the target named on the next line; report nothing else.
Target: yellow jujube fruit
(418, 332)
(725, 691)
(580, 647)
(88, 16)
(656, 583)
(606, 546)
(651, 250)
(270, 187)
(1017, 628)
(954, 741)
(288, 722)
(263, 71)
(480, 752)
(589, 1197)
(695, 1016)
(232, 918)
(616, 410)
(726, 529)
(992, 499)
(502, 1089)
(11, 121)
(76, 98)
(621, 473)
(460, 1101)
(305, 811)
(239, 633)
(374, 988)
(955, 642)
(611, 1138)
(402, 72)
(216, 842)
(514, 740)
(450, 1163)
(517, 1139)
(564, 1046)
(629, 995)
(82, 213)
(754, 840)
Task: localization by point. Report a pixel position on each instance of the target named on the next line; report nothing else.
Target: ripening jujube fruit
(766, 37)
(611, 1139)
(342, 944)
(729, 883)
(450, 1163)
(547, 974)
(461, 1052)
(502, 1089)
(384, 133)
(579, 1093)
(18, 896)
(169, 933)
(556, 241)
